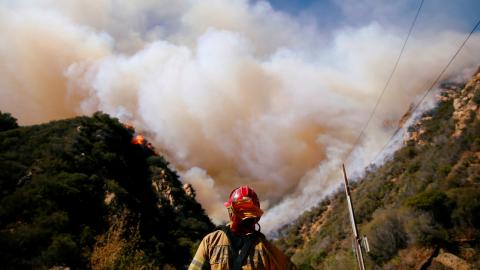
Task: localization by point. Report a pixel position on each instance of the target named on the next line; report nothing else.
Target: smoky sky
(232, 92)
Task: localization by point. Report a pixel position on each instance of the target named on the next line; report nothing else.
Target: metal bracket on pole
(357, 239)
(366, 246)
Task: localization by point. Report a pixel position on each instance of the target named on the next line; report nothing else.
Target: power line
(431, 86)
(386, 144)
(448, 64)
(388, 81)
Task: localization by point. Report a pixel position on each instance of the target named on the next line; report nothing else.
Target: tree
(7, 121)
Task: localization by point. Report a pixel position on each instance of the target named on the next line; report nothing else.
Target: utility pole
(357, 240)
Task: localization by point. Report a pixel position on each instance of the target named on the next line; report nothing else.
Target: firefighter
(238, 245)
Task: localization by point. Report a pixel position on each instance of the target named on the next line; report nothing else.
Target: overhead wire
(440, 75)
(421, 100)
(357, 140)
(448, 64)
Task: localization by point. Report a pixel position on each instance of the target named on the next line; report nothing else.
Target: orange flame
(139, 139)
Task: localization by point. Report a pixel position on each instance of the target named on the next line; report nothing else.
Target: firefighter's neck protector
(243, 204)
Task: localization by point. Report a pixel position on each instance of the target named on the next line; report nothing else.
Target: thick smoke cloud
(233, 92)
(35, 50)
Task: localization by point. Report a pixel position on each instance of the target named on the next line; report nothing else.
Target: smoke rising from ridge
(233, 92)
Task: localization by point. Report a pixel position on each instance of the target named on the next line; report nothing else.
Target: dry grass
(112, 249)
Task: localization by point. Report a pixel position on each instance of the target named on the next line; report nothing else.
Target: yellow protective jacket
(214, 253)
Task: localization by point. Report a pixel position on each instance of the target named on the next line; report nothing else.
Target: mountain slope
(419, 210)
(79, 193)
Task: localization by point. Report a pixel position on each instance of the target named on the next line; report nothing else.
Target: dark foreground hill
(420, 210)
(78, 193)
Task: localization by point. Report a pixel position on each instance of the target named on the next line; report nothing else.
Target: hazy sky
(270, 94)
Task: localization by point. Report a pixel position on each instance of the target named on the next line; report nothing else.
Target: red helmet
(243, 204)
(243, 193)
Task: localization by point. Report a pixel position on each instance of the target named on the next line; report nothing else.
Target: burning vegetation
(138, 139)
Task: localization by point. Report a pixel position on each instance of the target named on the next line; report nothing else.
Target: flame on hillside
(138, 139)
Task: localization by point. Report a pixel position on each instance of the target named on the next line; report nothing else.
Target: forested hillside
(78, 193)
(419, 210)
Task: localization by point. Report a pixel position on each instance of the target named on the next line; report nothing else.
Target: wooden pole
(357, 244)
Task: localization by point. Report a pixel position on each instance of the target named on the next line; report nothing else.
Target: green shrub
(435, 202)
(466, 212)
(386, 235)
(422, 229)
(63, 250)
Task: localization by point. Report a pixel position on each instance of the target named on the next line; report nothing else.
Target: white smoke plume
(233, 92)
